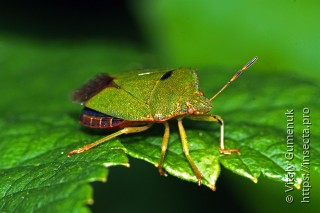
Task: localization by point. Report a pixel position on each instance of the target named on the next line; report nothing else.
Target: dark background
(69, 20)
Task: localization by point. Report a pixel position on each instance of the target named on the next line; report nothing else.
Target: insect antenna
(235, 76)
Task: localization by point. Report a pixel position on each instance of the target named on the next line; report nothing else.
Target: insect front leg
(185, 148)
(215, 118)
(164, 147)
(126, 130)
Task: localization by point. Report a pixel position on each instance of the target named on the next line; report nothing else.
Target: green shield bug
(133, 102)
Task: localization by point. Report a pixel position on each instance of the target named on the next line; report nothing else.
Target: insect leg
(164, 146)
(126, 130)
(220, 121)
(185, 148)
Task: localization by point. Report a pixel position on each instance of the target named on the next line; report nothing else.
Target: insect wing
(128, 97)
(119, 103)
(140, 84)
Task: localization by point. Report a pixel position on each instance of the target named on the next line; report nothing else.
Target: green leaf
(37, 175)
(40, 125)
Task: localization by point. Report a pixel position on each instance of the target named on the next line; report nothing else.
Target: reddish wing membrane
(92, 88)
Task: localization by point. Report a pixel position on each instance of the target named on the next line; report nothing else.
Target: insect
(135, 101)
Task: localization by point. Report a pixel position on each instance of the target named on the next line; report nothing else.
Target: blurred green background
(48, 50)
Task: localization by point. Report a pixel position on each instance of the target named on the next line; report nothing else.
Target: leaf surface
(39, 126)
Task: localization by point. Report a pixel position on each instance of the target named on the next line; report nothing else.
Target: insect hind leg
(126, 130)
